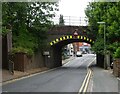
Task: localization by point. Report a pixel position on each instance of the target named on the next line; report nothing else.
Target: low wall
(23, 63)
(0, 51)
(100, 60)
(4, 53)
(116, 67)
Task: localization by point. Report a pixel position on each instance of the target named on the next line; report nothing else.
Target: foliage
(107, 12)
(61, 20)
(22, 50)
(117, 53)
(98, 47)
(4, 31)
(29, 22)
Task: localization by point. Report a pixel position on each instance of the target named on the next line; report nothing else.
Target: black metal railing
(11, 64)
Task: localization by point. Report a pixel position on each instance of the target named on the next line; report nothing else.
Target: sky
(72, 7)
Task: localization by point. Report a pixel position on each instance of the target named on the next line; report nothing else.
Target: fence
(72, 20)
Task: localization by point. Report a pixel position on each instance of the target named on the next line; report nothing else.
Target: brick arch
(59, 36)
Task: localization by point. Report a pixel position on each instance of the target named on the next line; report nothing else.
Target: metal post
(105, 64)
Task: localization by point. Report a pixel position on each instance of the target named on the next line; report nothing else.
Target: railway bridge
(59, 36)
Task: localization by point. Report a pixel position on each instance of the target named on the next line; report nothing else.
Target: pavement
(103, 81)
(7, 76)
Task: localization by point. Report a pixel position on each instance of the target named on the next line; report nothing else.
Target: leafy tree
(28, 22)
(117, 53)
(107, 12)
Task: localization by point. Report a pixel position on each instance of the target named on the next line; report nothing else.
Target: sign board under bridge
(46, 53)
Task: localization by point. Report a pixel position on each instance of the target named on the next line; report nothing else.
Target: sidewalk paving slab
(104, 80)
(6, 76)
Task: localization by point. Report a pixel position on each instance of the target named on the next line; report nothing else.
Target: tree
(107, 12)
(61, 20)
(29, 22)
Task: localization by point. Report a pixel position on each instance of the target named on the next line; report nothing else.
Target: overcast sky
(73, 7)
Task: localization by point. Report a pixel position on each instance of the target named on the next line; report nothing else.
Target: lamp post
(105, 65)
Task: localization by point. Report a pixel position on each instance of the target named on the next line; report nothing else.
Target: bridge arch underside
(56, 48)
(68, 41)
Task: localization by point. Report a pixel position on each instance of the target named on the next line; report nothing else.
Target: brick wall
(116, 67)
(23, 63)
(0, 50)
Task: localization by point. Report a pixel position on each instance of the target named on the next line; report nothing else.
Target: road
(68, 78)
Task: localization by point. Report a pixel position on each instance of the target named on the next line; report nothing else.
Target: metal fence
(72, 20)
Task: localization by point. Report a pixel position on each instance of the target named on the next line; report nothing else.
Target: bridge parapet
(67, 29)
(59, 31)
(72, 20)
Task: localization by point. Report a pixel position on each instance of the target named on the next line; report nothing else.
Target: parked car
(111, 66)
(79, 54)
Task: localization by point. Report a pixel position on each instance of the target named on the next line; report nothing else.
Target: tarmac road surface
(68, 78)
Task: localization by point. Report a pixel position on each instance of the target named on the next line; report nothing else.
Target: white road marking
(91, 62)
(67, 63)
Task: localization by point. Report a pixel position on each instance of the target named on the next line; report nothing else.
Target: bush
(29, 52)
(117, 53)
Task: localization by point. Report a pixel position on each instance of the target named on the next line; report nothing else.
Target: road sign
(46, 53)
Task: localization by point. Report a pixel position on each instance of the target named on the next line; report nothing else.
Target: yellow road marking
(86, 85)
(84, 82)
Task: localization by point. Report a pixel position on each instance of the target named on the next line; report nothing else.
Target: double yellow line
(86, 81)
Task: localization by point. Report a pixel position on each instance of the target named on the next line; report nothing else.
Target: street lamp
(105, 65)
